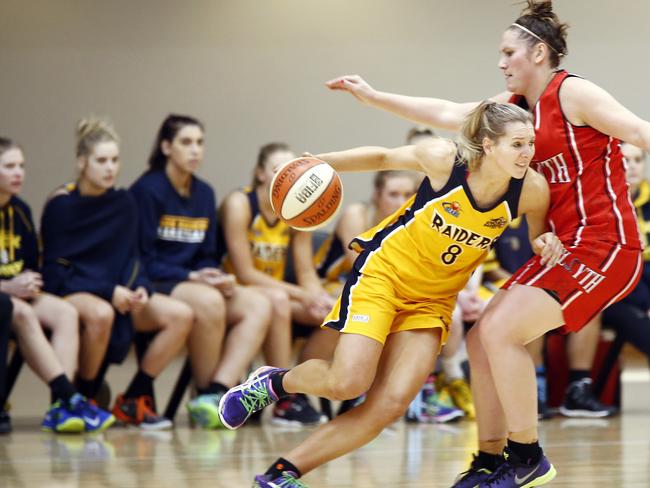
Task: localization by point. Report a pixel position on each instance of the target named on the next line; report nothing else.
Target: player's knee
(23, 313)
(281, 303)
(180, 317)
(394, 405)
(258, 306)
(348, 388)
(210, 304)
(99, 324)
(491, 331)
(67, 316)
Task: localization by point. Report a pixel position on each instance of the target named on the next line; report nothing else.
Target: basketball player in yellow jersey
(395, 307)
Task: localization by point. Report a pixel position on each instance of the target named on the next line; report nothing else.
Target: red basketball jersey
(586, 174)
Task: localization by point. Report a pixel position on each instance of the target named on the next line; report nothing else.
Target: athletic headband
(530, 32)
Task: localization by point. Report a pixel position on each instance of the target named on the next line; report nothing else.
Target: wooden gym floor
(595, 453)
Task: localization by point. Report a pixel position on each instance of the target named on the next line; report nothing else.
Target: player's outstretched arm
(424, 158)
(436, 112)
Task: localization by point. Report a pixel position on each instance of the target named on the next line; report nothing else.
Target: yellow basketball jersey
(269, 242)
(430, 247)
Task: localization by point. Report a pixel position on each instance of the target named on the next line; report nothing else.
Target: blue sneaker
(60, 418)
(286, 480)
(516, 474)
(243, 400)
(474, 476)
(95, 419)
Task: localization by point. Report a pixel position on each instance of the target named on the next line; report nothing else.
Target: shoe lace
(256, 397)
(473, 470)
(501, 473)
(290, 481)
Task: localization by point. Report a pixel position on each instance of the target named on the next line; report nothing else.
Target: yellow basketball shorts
(370, 306)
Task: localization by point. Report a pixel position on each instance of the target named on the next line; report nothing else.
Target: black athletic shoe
(581, 402)
(296, 411)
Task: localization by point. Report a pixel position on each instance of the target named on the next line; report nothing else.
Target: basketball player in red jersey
(578, 127)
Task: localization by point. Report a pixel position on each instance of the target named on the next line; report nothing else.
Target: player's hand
(549, 248)
(205, 275)
(318, 304)
(139, 299)
(25, 285)
(353, 84)
(122, 298)
(470, 305)
(223, 282)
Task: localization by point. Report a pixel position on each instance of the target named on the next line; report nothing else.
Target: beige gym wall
(253, 71)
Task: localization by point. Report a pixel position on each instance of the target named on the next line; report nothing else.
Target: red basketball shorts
(586, 280)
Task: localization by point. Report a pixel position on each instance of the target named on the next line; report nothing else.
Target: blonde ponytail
(489, 120)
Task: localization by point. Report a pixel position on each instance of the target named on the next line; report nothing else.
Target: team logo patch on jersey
(496, 223)
(452, 208)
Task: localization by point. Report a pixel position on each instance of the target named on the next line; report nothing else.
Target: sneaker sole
(71, 426)
(107, 423)
(584, 413)
(164, 425)
(252, 377)
(450, 417)
(542, 480)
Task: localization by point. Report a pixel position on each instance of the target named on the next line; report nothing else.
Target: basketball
(306, 193)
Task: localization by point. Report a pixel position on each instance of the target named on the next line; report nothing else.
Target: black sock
(85, 387)
(213, 389)
(281, 465)
(61, 389)
(489, 461)
(527, 453)
(276, 384)
(578, 374)
(141, 384)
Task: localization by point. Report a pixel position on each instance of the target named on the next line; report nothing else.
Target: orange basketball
(306, 193)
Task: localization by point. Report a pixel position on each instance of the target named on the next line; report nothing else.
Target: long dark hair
(6, 144)
(168, 130)
(266, 151)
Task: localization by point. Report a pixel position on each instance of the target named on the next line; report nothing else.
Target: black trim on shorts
(339, 323)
